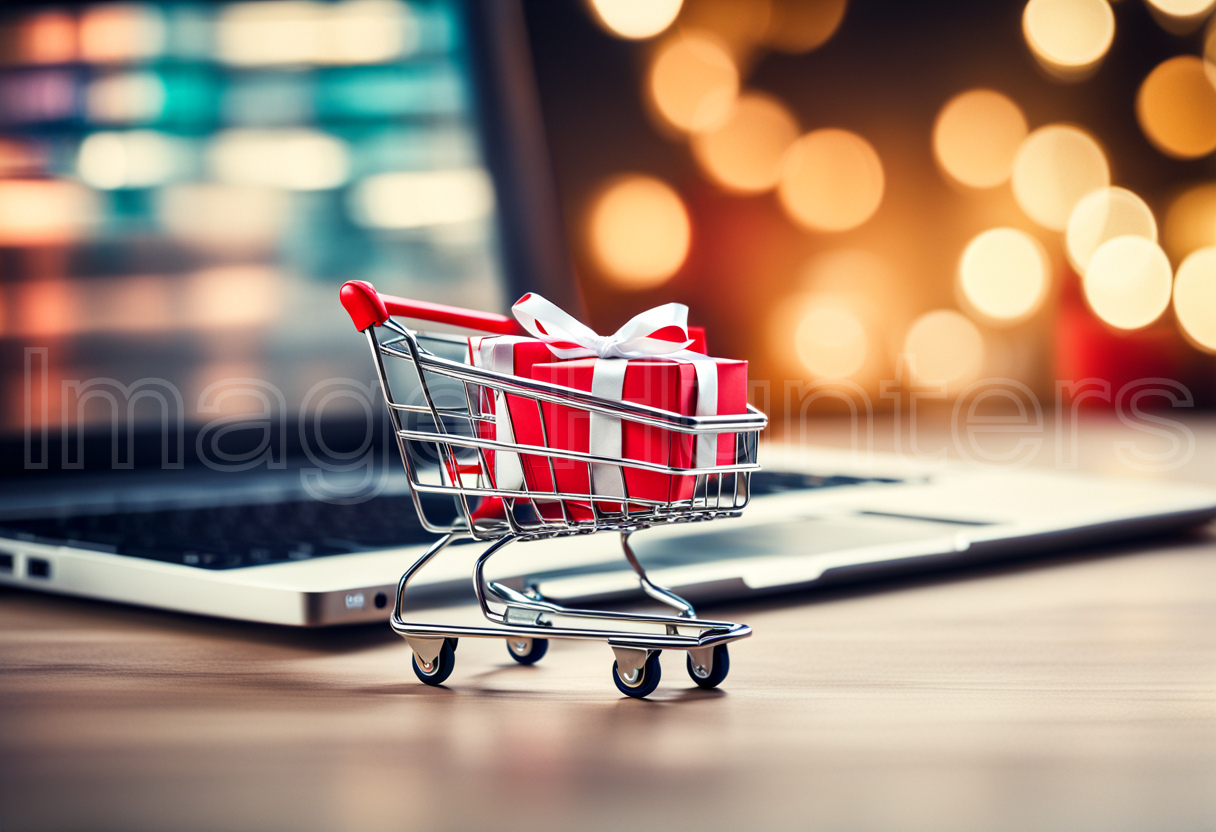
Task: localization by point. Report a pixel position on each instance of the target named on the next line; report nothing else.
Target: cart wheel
(715, 676)
(644, 680)
(440, 669)
(527, 650)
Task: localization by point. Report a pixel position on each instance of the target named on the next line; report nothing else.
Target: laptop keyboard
(227, 537)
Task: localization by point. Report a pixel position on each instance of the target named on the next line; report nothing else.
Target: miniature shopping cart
(442, 433)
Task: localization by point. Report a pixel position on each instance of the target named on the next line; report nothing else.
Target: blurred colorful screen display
(183, 187)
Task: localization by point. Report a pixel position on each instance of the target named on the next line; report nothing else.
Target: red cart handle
(367, 307)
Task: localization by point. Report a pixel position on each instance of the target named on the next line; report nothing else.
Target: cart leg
(659, 593)
(436, 547)
(479, 583)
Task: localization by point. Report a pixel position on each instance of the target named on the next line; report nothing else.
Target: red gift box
(660, 383)
(515, 356)
(519, 358)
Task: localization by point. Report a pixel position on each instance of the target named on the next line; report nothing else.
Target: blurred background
(830, 183)
(186, 185)
(994, 189)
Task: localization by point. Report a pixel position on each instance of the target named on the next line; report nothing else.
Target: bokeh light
(45, 212)
(639, 232)
(118, 32)
(48, 38)
(830, 340)
(1183, 9)
(422, 198)
(210, 293)
(1068, 37)
(636, 19)
(1176, 107)
(1004, 274)
(976, 136)
(693, 83)
(1103, 215)
(831, 180)
(132, 159)
(945, 346)
(740, 24)
(803, 25)
(1054, 168)
(862, 274)
(1128, 282)
(744, 154)
(874, 289)
(1195, 297)
(292, 32)
(1209, 52)
(234, 220)
(297, 159)
(1190, 222)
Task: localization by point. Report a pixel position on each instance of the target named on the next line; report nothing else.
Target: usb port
(38, 568)
(6, 563)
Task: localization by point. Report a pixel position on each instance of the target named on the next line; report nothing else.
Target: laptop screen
(184, 187)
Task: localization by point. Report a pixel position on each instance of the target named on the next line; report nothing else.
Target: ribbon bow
(643, 336)
(648, 335)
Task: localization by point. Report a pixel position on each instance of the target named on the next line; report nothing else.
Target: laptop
(192, 423)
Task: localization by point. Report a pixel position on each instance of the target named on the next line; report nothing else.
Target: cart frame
(454, 437)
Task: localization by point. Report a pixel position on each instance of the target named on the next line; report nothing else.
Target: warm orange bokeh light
(1054, 168)
(48, 38)
(1209, 52)
(233, 296)
(1190, 222)
(638, 231)
(803, 25)
(46, 308)
(19, 159)
(831, 180)
(744, 154)
(1103, 215)
(1176, 107)
(693, 83)
(1183, 9)
(881, 295)
(945, 346)
(740, 24)
(976, 136)
(1068, 37)
(1004, 275)
(118, 32)
(44, 212)
(1128, 282)
(636, 19)
(1195, 298)
(830, 340)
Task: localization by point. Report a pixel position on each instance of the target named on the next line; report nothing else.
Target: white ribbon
(498, 355)
(568, 338)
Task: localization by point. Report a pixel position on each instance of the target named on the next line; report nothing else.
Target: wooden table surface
(1074, 693)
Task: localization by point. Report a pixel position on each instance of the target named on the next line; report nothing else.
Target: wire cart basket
(446, 440)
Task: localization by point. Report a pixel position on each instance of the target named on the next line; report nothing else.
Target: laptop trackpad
(760, 555)
(797, 536)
